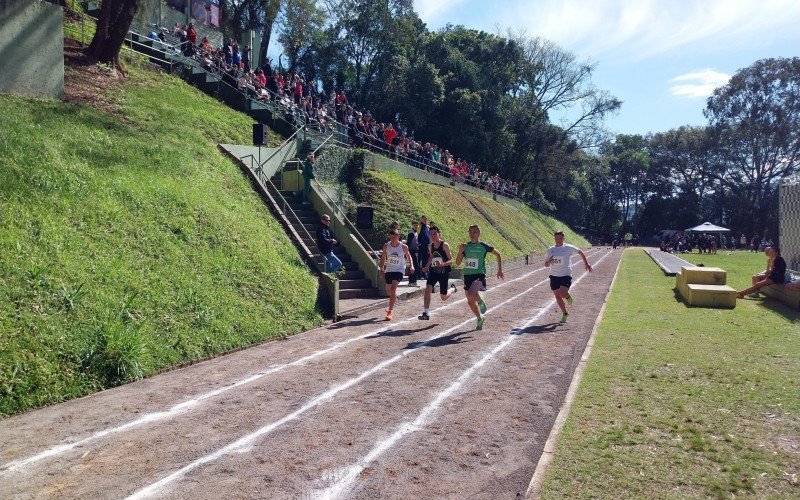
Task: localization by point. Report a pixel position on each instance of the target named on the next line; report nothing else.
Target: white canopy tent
(707, 227)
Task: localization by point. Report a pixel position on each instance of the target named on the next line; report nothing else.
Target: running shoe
(754, 295)
(479, 326)
(564, 318)
(482, 305)
(424, 316)
(569, 300)
(388, 315)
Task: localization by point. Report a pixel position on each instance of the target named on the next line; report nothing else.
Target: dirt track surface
(358, 409)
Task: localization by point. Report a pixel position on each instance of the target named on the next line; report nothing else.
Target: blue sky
(661, 58)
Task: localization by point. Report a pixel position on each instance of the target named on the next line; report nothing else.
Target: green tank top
(475, 257)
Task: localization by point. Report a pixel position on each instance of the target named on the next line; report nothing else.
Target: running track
(358, 409)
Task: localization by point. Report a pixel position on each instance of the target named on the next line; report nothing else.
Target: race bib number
(437, 261)
(471, 264)
(556, 260)
(394, 260)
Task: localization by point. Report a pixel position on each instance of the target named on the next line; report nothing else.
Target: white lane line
(244, 443)
(345, 481)
(189, 404)
(186, 405)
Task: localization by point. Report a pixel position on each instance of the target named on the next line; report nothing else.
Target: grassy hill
(129, 244)
(398, 198)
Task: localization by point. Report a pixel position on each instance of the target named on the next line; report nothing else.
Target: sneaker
(424, 316)
(479, 326)
(569, 300)
(754, 295)
(482, 305)
(564, 318)
(388, 315)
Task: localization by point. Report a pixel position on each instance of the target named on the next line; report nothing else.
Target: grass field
(129, 244)
(680, 402)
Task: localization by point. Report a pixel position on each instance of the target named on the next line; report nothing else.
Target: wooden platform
(669, 263)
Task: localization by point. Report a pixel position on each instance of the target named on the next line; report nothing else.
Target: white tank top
(395, 259)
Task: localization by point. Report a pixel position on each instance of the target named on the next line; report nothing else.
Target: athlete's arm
(408, 258)
(447, 254)
(427, 265)
(460, 256)
(499, 264)
(585, 260)
(549, 258)
(383, 260)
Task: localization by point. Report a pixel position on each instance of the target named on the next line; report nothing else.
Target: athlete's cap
(326, 217)
(558, 233)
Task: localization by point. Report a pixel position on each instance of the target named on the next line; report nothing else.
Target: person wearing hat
(394, 257)
(325, 243)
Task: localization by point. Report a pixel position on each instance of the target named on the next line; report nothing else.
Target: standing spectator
(424, 239)
(412, 241)
(308, 174)
(191, 34)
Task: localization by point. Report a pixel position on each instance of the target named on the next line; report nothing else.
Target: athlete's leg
(391, 289)
(427, 300)
(472, 301)
(560, 300)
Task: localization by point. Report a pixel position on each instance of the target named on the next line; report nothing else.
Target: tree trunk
(271, 9)
(113, 23)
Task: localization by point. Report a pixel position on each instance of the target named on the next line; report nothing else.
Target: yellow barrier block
(703, 275)
(717, 296)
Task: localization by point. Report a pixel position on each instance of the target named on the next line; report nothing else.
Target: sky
(662, 58)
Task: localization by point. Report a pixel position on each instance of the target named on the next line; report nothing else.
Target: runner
(393, 264)
(439, 264)
(558, 257)
(474, 252)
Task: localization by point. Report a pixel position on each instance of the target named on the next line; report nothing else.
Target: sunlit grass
(129, 244)
(681, 402)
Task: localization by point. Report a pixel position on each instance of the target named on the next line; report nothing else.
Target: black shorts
(557, 282)
(441, 278)
(469, 279)
(389, 277)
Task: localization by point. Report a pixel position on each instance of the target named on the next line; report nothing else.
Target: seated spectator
(775, 274)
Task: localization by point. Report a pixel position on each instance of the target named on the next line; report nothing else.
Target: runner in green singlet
(473, 254)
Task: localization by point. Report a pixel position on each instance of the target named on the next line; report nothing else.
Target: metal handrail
(343, 217)
(284, 205)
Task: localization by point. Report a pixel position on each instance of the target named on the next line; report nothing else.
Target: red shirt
(389, 134)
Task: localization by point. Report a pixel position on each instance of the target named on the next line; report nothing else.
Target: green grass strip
(680, 402)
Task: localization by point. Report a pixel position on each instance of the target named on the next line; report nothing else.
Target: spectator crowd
(304, 103)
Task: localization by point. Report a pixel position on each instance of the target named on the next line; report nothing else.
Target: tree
(553, 80)
(300, 29)
(755, 119)
(113, 24)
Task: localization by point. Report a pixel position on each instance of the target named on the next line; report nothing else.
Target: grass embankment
(129, 244)
(680, 402)
(398, 198)
(546, 225)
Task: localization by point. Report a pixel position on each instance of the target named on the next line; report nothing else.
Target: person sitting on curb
(774, 275)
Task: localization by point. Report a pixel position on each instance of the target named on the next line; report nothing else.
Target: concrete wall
(790, 224)
(31, 48)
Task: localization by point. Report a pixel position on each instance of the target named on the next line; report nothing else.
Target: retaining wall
(31, 48)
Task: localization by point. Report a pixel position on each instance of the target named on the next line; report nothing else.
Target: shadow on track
(452, 339)
(536, 329)
(400, 333)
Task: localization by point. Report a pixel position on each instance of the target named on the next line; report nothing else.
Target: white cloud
(630, 29)
(432, 9)
(698, 84)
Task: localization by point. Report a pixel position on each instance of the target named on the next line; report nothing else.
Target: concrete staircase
(353, 284)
